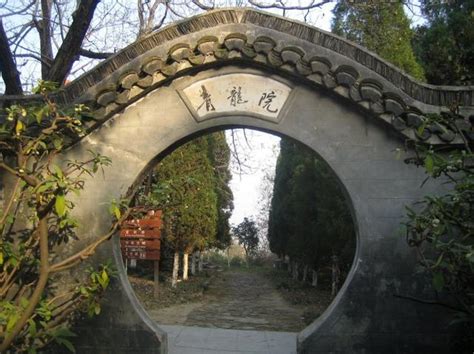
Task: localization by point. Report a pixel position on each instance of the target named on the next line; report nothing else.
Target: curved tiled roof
(243, 36)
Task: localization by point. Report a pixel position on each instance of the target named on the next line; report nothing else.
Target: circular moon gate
(246, 68)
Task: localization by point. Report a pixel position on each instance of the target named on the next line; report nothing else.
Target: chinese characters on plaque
(246, 94)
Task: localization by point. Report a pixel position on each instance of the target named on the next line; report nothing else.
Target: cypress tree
(187, 194)
(279, 218)
(219, 155)
(309, 219)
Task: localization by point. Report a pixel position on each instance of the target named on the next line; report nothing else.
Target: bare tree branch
(162, 20)
(71, 46)
(44, 29)
(151, 15)
(174, 12)
(45, 62)
(141, 18)
(59, 11)
(284, 7)
(19, 11)
(10, 74)
(94, 55)
(202, 6)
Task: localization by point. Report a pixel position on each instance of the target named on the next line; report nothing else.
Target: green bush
(237, 262)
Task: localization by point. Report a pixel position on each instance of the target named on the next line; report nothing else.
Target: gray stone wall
(366, 316)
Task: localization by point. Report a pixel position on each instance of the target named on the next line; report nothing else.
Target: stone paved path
(237, 300)
(199, 340)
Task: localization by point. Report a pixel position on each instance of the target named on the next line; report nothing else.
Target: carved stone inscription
(245, 94)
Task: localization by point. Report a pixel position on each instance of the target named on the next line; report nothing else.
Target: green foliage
(237, 262)
(186, 192)
(441, 227)
(445, 45)
(309, 217)
(247, 235)
(36, 218)
(191, 186)
(381, 27)
(219, 155)
(98, 280)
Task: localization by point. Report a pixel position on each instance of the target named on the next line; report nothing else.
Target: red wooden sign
(140, 238)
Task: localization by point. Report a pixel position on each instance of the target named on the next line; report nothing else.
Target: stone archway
(345, 103)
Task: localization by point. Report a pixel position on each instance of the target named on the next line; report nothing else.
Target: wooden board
(153, 255)
(134, 233)
(143, 223)
(140, 243)
(140, 238)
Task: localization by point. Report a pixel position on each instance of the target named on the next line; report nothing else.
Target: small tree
(35, 219)
(247, 235)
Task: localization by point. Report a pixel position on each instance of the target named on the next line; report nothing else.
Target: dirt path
(237, 299)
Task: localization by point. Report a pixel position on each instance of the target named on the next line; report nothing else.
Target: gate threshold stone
(200, 340)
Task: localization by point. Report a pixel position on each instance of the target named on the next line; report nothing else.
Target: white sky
(258, 158)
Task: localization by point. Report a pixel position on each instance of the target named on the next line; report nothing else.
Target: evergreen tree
(186, 192)
(445, 45)
(191, 185)
(381, 27)
(279, 218)
(309, 218)
(219, 155)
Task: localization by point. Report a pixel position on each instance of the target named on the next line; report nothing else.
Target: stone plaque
(244, 94)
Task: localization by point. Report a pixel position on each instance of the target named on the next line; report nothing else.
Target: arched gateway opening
(343, 102)
(231, 302)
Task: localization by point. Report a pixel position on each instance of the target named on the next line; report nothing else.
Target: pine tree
(381, 27)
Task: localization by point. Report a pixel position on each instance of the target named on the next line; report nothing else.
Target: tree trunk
(67, 52)
(174, 276)
(289, 266)
(228, 257)
(156, 279)
(193, 263)
(44, 30)
(295, 270)
(314, 281)
(200, 261)
(147, 189)
(305, 273)
(10, 74)
(335, 276)
(185, 265)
